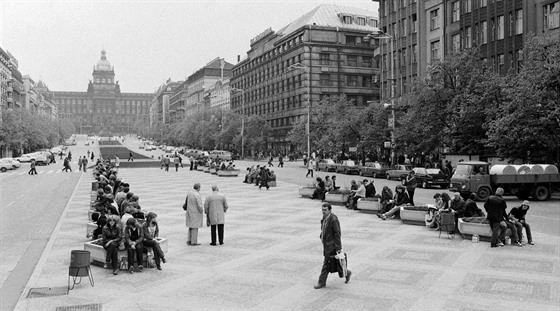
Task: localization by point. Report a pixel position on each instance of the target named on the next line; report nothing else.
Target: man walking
(194, 216)
(332, 245)
(117, 162)
(310, 166)
(215, 208)
(166, 163)
(84, 163)
(80, 164)
(32, 170)
(130, 157)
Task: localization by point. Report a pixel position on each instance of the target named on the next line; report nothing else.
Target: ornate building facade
(103, 108)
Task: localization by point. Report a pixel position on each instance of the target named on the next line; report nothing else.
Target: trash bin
(79, 267)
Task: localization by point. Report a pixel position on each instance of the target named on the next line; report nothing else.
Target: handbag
(185, 205)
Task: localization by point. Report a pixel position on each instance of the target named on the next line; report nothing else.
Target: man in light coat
(194, 214)
(215, 208)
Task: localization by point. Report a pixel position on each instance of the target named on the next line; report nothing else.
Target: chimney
(238, 58)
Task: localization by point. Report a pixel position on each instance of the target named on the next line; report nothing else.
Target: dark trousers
(264, 183)
(112, 254)
(309, 171)
(167, 167)
(498, 233)
(514, 237)
(220, 233)
(281, 164)
(139, 255)
(520, 225)
(192, 165)
(411, 196)
(158, 253)
(325, 270)
(176, 167)
(32, 171)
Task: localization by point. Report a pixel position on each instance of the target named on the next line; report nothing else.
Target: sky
(147, 42)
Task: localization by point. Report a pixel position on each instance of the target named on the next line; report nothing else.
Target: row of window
(292, 102)
(358, 20)
(103, 80)
(393, 5)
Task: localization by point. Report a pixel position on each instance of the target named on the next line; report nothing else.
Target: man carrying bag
(332, 248)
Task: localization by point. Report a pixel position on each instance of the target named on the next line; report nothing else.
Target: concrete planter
(369, 205)
(212, 171)
(90, 227)
(98, 254)
(306, 191)
(482, 230)
(90, 212)
(206, 170)
(233, 173)
(413, 217)
(336, 198)
(272, 183)
(200, 168)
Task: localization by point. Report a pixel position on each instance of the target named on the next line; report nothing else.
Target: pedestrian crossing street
(41, 170)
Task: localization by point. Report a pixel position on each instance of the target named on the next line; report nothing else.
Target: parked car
(57, 151)
(195, 153)
(397, 171)
(15, 164)
(327, 165)
(43, 157)
(6, 164)
(222, 154)
(427, 178)
(374, 169)
(169, 149)
(348, 167)
(26, 157)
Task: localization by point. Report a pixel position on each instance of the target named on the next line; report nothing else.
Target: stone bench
(226, 173)
(412, 216)
(337, 198)
(90, 227)
(98, 253)
(272, 183)
(369, 204)
(306, 191)
(206, 170)
(467, 229)
(200, 168)
(213, 171)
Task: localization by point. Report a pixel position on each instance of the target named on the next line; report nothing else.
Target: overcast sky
(146, 41)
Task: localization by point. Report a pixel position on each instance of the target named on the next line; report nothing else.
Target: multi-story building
(200, 81)
(104, 109)
(177, 102)
(421, 31)
(219, 95)
(45, 104)
(16, 83)
(6, 99)
(322, 53)
(162, 110)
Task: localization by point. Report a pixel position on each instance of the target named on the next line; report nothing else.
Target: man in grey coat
(194, 214)
(215, 208)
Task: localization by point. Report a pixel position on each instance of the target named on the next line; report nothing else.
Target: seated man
(319, 192)
(471, 209)
(457, 208)
(356, 195)
(370, 189)
(272, 176)
(353, 187)
(517, 216)
(401, 198)
(328, 184)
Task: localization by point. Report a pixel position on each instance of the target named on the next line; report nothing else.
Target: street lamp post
(301, 66)
(233, 89)
(382, 35)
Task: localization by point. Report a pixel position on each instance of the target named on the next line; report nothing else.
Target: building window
(361, 21)
(325, 79)
(414, 52)
(366, 61)
(402, 54)
(483, 32)
(468, 6)
(434, 19)
(352, 40)
(519, 54)
(501, 62)
(518, 22)
(456, 40)
(413, 23)
(493, 32)
(347, 19)
(551, 13)
(468, 37)
(483, 3)
(385, 8)
(366, 81)
(324, 59)
(352, 61)
(352, 80)
(403, 27)
(434, 50)
(456, 7)
(500, 27)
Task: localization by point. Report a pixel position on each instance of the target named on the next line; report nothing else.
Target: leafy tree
(527, 121)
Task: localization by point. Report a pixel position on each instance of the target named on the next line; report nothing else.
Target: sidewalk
(272, 257)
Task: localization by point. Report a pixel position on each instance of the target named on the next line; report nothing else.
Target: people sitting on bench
(401, 198)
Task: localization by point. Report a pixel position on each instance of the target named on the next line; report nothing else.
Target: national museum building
(103, 109)
(323, 53)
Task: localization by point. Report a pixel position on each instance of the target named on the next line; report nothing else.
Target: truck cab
(472, 176)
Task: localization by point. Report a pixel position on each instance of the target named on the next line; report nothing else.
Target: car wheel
(388, 177)
(361, 173)
(425, 184)
(483, 193)
(3, 170)
(374, 175)
(541, 193)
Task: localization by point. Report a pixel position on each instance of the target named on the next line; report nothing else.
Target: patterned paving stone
(401, 277)
(348, 301)
(520, 265)
(420, 256)
(510, 288)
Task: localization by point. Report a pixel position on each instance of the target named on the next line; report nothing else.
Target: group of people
(260, 176)
(122, 223)
(215, 206)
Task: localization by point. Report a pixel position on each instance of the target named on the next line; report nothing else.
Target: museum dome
(103, 64)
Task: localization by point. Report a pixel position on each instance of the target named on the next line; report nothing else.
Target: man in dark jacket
(496, 208)
(471, 209)
(330, 237)
(370, 189)
(410, 183)
(517, 216)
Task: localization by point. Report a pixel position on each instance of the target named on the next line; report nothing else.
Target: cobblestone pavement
(272, 257)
